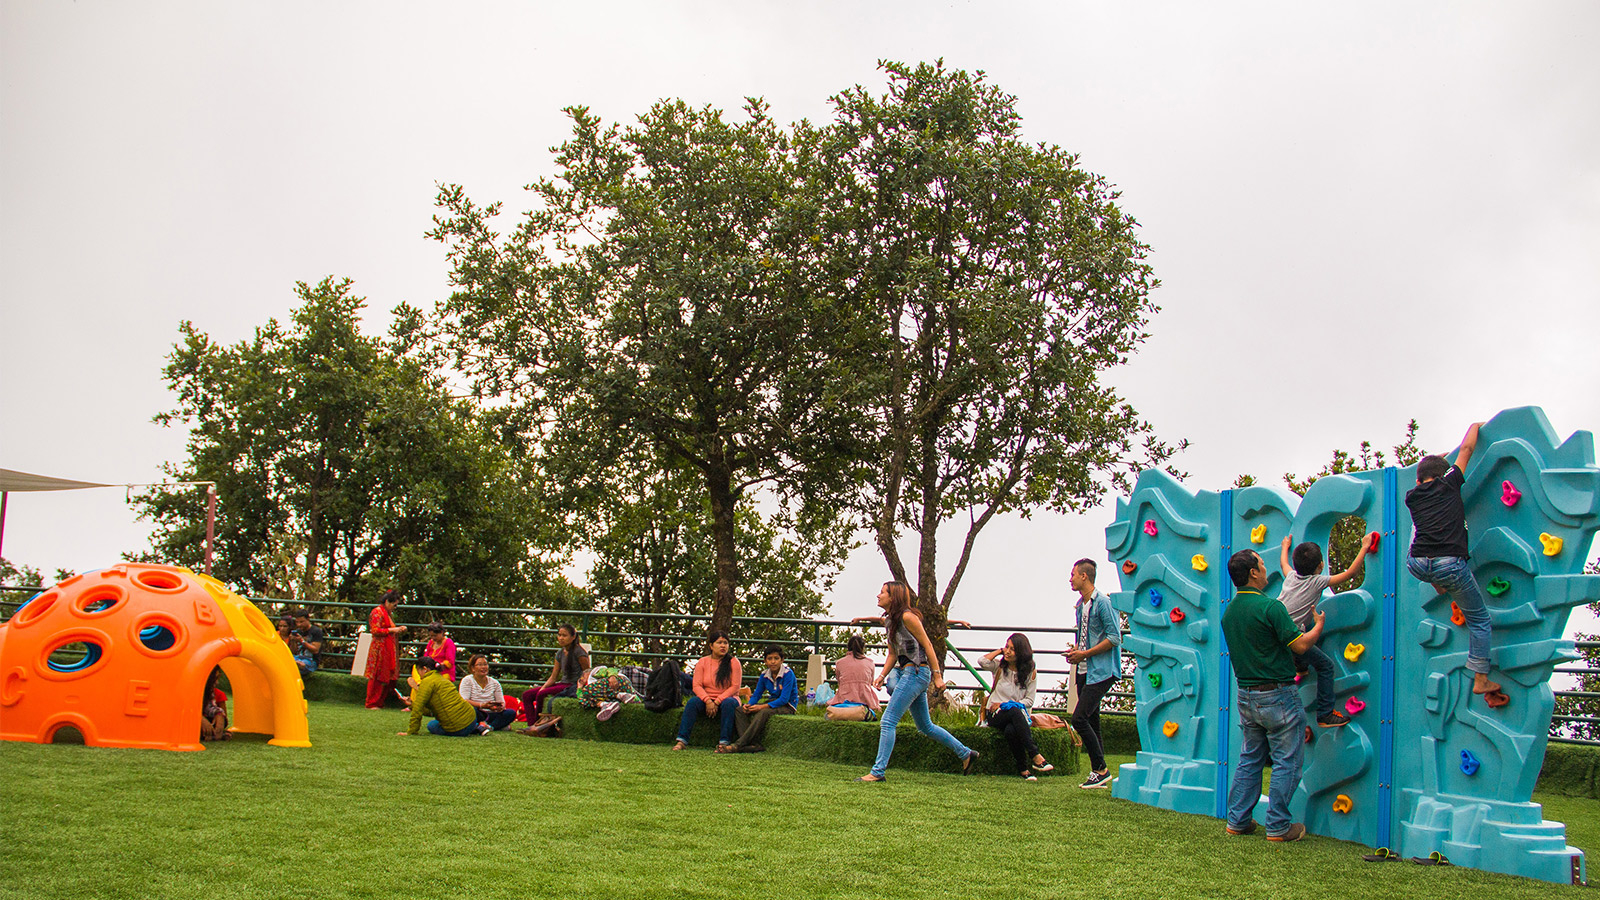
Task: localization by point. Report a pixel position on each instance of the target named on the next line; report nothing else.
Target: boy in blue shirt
(1098, 659)
(782, 692)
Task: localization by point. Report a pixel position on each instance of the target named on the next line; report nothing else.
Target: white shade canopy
(12, 480)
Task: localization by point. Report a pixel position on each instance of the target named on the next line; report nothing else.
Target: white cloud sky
(1360, 213)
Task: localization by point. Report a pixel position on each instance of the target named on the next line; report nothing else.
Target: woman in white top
(1010, 706)
(485, 695)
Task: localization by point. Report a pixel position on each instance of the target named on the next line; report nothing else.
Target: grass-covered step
(810, 736)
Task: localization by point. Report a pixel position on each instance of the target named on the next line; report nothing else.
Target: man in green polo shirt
(1262, 641)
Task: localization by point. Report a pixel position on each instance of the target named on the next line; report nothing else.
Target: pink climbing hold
(1353, 705)
(1373, 540)
(1509, 495)
(1177, 616)
(1150, 527)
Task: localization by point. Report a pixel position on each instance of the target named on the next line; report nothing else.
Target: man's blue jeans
(1454, 574)
(911, 692)
(696, 707)
(1318, 661)
(1274, 725)
(435, 727)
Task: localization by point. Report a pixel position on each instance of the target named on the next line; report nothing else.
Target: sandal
(1432, 859)
(679, 745)
(870, 778)
(966, 764)
(1382, 854)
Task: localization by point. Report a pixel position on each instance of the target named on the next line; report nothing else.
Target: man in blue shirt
(777, 693)
(1098, 657)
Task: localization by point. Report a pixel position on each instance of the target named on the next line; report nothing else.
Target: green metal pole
(968, 666)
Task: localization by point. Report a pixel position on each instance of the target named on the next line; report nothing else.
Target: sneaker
(608, 709)
(1333, 720)
(1295, 833)
(1043, 768)
(1097, 780)
(1248, 828)
(1029, 776)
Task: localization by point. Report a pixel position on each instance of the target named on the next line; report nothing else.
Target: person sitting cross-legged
(436, 696)
(777, 693)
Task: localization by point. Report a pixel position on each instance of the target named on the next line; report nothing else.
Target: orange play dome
(123, 654)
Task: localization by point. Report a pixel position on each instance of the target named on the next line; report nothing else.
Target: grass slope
(367, 814)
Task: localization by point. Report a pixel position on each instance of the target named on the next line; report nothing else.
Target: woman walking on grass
(717, 677)
(911, 654)
(1010, 706)
(383, 657)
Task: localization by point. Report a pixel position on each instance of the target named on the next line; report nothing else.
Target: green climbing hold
(1155, 679)
(1498, 586)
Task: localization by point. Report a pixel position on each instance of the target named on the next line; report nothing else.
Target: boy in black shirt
(1439, 551)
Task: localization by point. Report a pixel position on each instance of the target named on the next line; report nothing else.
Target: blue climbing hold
(1469, 763)
(1155, 597)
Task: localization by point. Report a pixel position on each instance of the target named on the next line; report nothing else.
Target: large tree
(662, 292)
(1002, 280)
(343, 466)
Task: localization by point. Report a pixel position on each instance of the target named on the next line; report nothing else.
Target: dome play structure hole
(121, 656)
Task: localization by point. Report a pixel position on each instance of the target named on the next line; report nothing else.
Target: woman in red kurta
(383, 657)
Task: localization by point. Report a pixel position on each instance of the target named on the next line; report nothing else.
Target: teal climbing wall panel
(1424, 764)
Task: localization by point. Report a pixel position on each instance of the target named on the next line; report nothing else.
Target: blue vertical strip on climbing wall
(1391, 590)
(1224, 665)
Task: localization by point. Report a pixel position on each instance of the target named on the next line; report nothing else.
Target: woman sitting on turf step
(1010, 706)
(857, 699)
(435, 696)
(570, 672)
(911, 654)
(717, 677)
(484, 693)
(777, 693)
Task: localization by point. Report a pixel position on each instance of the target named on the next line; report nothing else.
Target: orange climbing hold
(1169, 729)
(122, 655)
(1342, 804)
(1456, 615)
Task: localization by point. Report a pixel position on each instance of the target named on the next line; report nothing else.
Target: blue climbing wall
(1400, 762)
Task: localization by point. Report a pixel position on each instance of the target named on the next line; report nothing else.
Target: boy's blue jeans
(1273, 723)
(695, 708)
(1321, 663)
(911, 692)
(1454, 574)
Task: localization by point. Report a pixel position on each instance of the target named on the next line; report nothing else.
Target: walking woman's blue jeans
(1454, 574)
(912, 693)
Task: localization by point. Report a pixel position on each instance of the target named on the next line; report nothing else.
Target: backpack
(662, 690)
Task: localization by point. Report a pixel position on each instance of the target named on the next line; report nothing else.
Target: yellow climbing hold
(1552, 544)
(1199, 562)
(1169, 729)
(1258, 534)
(1343, 804)
(1353, 652)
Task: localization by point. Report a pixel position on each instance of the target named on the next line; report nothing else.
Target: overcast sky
(1360, 212)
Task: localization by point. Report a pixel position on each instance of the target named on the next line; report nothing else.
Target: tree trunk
(719, 485)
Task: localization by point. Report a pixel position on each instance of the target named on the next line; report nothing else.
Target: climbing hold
(1129, 566)
(1258, 534)
(1155, 679)
(1552, 544)
(1373, 540)
(1169, 729)
(1298, 677)
(1353, 705)
(1199, 562)
(1456, 615)
(1308, 734)
(1353, 652)
(1498, 586)
(1343, 804)
(1177, 615)
(1469, 763)
(1150, 527)
(1509, 495)
(1496, 699)
(1155, 597)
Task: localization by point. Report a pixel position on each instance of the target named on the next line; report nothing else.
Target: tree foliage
(343, 467)
(657, 303)
(1001, 280)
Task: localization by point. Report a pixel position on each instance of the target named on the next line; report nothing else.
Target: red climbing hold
(1496, 699)
(1177, 616)
(1373, 540)
(1128, 567)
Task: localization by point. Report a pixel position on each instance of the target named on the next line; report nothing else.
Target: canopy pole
(5, 496)
(211, 522)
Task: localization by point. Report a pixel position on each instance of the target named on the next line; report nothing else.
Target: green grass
(366, 814)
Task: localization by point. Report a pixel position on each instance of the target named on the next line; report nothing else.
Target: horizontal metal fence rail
(343, 621)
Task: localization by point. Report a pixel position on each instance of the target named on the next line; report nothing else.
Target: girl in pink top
(717, 678)
(857, 699)
(442, 649)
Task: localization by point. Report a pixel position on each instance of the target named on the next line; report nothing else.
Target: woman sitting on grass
(857, 699)
(911, 654)
(1010, 706)
(717, 677)
(435, 696)
(484, 693)
(777, 693)
(570, 671)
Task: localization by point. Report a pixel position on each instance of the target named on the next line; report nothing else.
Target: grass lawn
(367, 814)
